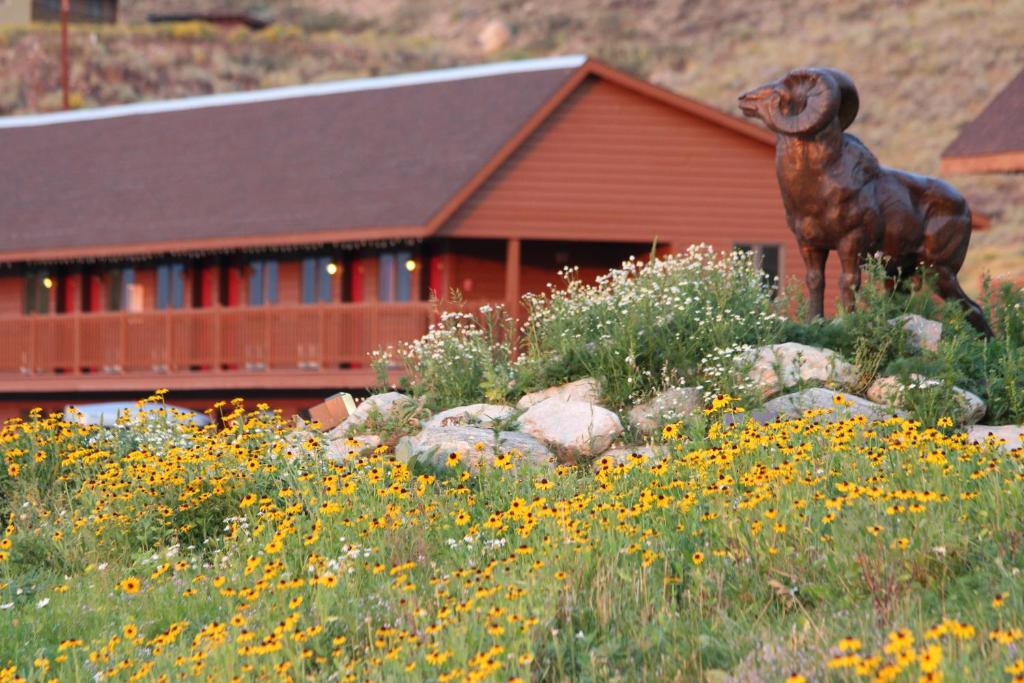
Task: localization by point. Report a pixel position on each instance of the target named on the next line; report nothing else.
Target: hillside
(924, 67)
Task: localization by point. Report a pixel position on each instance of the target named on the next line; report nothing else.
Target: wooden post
(321, 356)
(513, 256)
(168, 337)
(77, 351)
(65, 67)
(123, 345)
(217, 315)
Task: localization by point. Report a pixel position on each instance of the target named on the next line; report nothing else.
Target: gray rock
(586, 390)
(668, 406)
(388, 404)
(757, 415)
(890, 391)
(922, 334)
(340, 450)
(794, 405)
(777, 367)
(574, 429)
(1013, 435)
(475, 446)
(479, 414)
(618, 456)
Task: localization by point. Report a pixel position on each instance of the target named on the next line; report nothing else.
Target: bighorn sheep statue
(837, 196)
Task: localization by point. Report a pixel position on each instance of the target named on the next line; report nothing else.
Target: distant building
(13, 12)
(85, 11)
(994, 141)
(262, 243)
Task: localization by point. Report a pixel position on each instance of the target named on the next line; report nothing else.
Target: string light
(47, 282)
(410, 265)
(332, 268)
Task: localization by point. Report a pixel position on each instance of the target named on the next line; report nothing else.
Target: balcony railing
(194, 341)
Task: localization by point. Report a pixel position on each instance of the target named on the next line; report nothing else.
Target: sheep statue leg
(814, 264)
(946, 236)
(850, 252)
(949, 289)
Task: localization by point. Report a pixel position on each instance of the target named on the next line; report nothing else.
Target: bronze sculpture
(837, 196)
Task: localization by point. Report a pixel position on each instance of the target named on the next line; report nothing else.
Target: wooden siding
(610, 163)
(12, 293)
(477, 268)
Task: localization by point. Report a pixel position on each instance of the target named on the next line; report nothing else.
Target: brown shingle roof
(999, 129)
(263, 166)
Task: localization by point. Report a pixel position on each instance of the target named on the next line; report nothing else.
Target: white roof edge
(296, 91)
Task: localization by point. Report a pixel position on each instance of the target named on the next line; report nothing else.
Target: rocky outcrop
(586, 390)
(349, 448)
(890, 391)
(475, 446)
(794, 405)
(573, 429)
(479, 414)
(1008, 436)
(619, 456)
(922, 334)
(388, 404)
(778, 367)
(668, 406)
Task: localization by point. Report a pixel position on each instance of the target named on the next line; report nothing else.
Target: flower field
(782, 552)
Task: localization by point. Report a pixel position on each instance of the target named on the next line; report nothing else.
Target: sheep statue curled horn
(837, 196)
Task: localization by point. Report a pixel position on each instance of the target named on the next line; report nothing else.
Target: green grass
(742, 554)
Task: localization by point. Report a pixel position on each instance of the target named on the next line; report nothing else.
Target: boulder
(387, 404)
(780, 366)
(494, 36)
(474, 444)
(1013, 435)
(668, 406)
(480, 414)
(922, 334)
(794, 405)
(889, 390)
(574, 429)
(340, 450)
(586, 390)
(618, 456)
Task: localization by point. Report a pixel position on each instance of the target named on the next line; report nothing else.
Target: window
(317, 273)
(767, 257)
(263, 282)
(118, 281)
(37, 292)
(170, 285)
(395, 283)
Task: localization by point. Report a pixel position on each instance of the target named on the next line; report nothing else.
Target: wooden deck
(274, 347)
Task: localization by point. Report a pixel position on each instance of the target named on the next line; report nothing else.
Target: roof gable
(998, 130)
(614, 164)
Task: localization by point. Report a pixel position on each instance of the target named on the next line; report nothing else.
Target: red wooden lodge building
(262, 243)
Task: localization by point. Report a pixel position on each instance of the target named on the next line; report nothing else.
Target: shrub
(464, 358)
(993, 369)
(673, 321)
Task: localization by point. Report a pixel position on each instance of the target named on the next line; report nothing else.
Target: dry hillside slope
(924, 67)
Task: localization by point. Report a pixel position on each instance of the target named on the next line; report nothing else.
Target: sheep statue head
(838, 197)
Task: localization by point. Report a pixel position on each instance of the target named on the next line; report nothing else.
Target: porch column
(513, 257)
